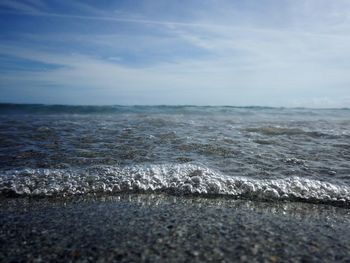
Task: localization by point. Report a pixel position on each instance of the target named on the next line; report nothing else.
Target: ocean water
(254, 153)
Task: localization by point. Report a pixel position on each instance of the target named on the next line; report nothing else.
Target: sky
(291, 53)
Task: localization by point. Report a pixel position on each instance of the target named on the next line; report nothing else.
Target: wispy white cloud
(244, 57)
(31, 11)
(217, 82)
(21, 6)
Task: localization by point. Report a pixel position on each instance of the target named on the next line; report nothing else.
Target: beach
(175, 131)
(174, 184)
(163, 228)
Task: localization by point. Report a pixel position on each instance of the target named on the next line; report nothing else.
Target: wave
(13, 108)
(9, 108)
(178, 179)
(276, 130)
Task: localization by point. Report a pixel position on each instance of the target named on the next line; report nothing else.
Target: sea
(251, 153)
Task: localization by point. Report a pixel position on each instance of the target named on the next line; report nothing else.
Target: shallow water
(251, 152)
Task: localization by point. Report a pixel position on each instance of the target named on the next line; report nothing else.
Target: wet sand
(157, 228)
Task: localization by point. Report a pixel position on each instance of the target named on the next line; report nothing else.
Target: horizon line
(169, 105)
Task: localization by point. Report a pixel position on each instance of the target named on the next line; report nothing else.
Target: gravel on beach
(158, 228)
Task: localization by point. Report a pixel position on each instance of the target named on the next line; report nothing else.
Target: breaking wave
(275, 131)
(179, 179)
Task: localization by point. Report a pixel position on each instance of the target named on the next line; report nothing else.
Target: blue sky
(293, 53)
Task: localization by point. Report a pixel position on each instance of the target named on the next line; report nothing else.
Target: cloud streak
(228, 55)
(170, 24)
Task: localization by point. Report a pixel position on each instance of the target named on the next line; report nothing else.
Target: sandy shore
(156, 228)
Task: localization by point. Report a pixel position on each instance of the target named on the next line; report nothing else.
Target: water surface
(243, 152)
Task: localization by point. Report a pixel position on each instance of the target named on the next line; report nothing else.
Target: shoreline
(159, 228)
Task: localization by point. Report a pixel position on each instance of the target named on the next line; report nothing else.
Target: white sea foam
(179, 179)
